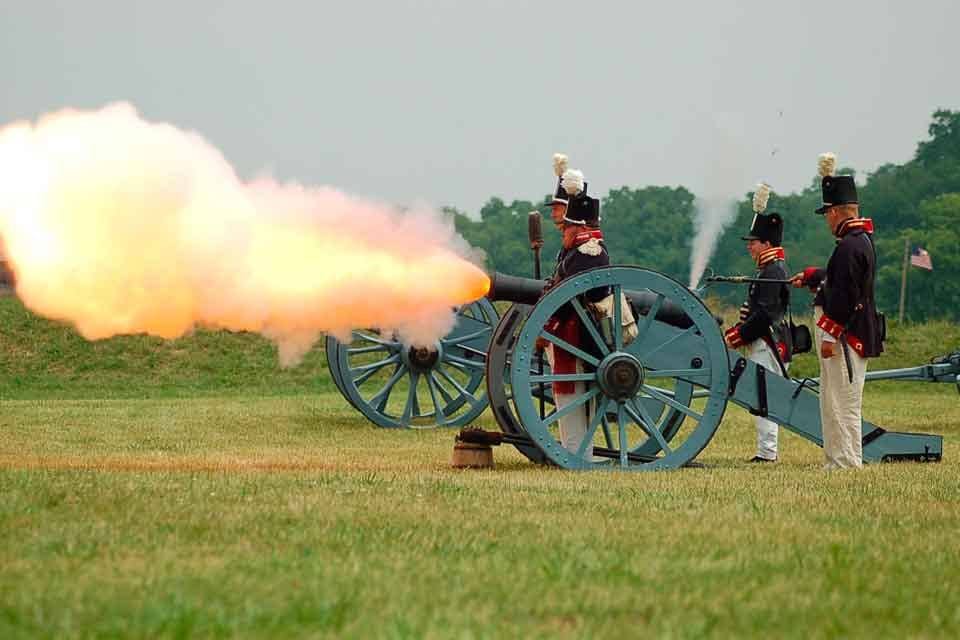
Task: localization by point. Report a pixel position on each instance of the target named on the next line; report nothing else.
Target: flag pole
(903, 277)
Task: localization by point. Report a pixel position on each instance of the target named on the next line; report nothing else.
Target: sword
(846, 356)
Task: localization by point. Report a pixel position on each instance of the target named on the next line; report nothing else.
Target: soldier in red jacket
(577, 216)
(850, 329)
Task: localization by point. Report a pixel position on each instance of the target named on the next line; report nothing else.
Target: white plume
(826, 164)
(760, 197)
(559, 163)
(572, 181)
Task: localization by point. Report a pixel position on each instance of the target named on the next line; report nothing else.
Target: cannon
(656, 402)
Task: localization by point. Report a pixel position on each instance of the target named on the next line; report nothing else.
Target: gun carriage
(654, 401)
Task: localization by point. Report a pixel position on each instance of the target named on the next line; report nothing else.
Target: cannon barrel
(507, 288)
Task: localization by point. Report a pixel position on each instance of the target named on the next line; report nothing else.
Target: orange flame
(117, 225)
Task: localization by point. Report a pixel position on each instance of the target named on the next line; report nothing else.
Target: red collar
(850, 224)
(585, 236)
(769, 255)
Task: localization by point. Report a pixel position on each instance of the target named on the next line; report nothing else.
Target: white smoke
(713, 216)
(717, 207)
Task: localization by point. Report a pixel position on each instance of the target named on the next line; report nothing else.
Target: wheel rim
(399, 387)
(499, 389)
(332, 347)
(674, 361)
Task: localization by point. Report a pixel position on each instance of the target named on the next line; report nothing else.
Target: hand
(797, 280)
(827, 349)
(732, 337)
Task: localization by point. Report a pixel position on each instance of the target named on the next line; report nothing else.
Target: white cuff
(826, 337)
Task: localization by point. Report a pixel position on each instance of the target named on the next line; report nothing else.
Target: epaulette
(771, 254)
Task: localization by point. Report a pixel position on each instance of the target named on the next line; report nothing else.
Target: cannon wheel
(499, 391)
(332, 348)
(625, 377)
(398, 386)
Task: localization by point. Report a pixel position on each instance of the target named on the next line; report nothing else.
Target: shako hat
(836, 190)
(766, 228)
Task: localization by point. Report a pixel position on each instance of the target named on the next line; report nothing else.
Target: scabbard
(772, 341)
(846, 355)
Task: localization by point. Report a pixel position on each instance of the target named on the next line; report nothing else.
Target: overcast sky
(453, 102)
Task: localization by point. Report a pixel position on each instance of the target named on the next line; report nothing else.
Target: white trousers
(573, 426)
(761, 353)
(840, 405)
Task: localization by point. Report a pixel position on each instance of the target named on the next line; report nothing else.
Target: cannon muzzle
(506, 288)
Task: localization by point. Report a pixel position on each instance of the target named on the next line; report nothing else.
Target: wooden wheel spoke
(574, 404)
(679, 406)
(440, 388)
(412, 408)
(371, 349)
(563, 377)
(369, 370)
(441, 417)
(643, 419)
(569, 348)
(456, 385)
(376, 339)
(380, 398)
(588, 323)
(607, 436)
(462, 363)
(467, 337)
(651, 315)
(592, 429)
(622, 425)
(618, 318)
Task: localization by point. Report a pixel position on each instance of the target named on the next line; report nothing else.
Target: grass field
(192, 489)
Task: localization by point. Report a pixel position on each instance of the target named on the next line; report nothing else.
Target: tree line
(917, 202)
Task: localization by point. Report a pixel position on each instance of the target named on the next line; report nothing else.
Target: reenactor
(577, 216)
(849, 328)
(763, 327)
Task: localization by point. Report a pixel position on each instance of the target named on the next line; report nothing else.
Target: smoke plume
(714, 214)
(117, 225)
(717, 207)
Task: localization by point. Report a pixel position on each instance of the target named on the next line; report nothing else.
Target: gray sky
(453, 102)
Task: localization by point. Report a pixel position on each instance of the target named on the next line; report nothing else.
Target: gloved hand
(732, 337)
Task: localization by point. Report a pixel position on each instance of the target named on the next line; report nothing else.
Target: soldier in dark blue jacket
(762, 327)
(850, 329)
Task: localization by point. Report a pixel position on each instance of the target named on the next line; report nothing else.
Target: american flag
(920, 258)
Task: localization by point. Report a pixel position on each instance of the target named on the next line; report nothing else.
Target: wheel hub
(422, 359)
(620, 375)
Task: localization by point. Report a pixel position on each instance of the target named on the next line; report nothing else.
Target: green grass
(270, 508)
(42, 359)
